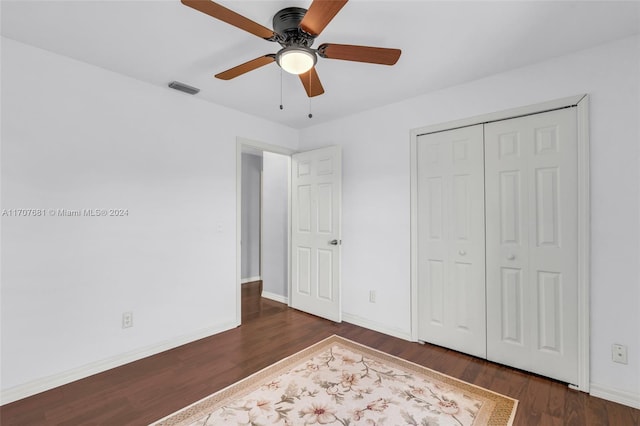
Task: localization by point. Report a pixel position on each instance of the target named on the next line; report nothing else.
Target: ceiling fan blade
(311, 83)
(230, 17)
(348, 52)
(246, 67)
(319, 14)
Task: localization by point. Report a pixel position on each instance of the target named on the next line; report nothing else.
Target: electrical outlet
(372, 296)
(619, 353)
(127, 319)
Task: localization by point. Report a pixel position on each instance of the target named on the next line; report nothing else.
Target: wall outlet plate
(127, 319)
(619, 353)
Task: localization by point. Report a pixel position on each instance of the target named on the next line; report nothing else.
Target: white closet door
(531, 210)
(451, 260)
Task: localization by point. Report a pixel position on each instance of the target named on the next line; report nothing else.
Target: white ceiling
(443, 44)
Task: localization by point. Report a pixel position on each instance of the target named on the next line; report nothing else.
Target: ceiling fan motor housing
(286, 26)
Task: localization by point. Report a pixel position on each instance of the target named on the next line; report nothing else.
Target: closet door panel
(451, 240)
(507, 244)
(531, 204)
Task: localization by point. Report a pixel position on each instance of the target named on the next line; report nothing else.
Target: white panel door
(316, 193)
(451, 258)
(531, 210)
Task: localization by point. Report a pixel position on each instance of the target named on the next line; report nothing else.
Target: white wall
(275, 233)
(250, 250)
(376, 197)
(76, 136)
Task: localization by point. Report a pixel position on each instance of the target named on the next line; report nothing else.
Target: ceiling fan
(295, 29)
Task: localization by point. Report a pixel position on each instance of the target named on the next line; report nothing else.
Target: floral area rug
(340, 382)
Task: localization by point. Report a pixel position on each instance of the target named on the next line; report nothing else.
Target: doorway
(262, 220)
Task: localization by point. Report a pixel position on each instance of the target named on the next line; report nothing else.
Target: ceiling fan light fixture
(296, 60)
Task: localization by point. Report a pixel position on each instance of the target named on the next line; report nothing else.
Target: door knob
(335, 242)
(511, 257)
(462, 252)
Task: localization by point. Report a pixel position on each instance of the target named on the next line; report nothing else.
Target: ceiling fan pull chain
(281, 107)
(310, 115)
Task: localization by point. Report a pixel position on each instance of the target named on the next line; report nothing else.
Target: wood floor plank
(144, 391)
(597, 412)
(556, 405)
(575, 409)
(536, 399)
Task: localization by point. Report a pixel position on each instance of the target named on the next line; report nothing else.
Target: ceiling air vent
(183, 87)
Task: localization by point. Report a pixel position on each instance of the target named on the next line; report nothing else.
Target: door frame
(581, 102)
(244, 145)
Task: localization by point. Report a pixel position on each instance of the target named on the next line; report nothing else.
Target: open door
(316, 195)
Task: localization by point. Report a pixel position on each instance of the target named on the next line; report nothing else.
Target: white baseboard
(46, 383)
(610, 394)
(276, 297)
(250, 279)
(375, 326)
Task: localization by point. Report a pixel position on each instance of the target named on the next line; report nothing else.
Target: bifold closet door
(531, 210)
(451, 260)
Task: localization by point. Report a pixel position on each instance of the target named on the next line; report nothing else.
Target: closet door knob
(462, 252)
(511, 257)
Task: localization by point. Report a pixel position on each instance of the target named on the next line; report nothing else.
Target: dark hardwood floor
(144, 391)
